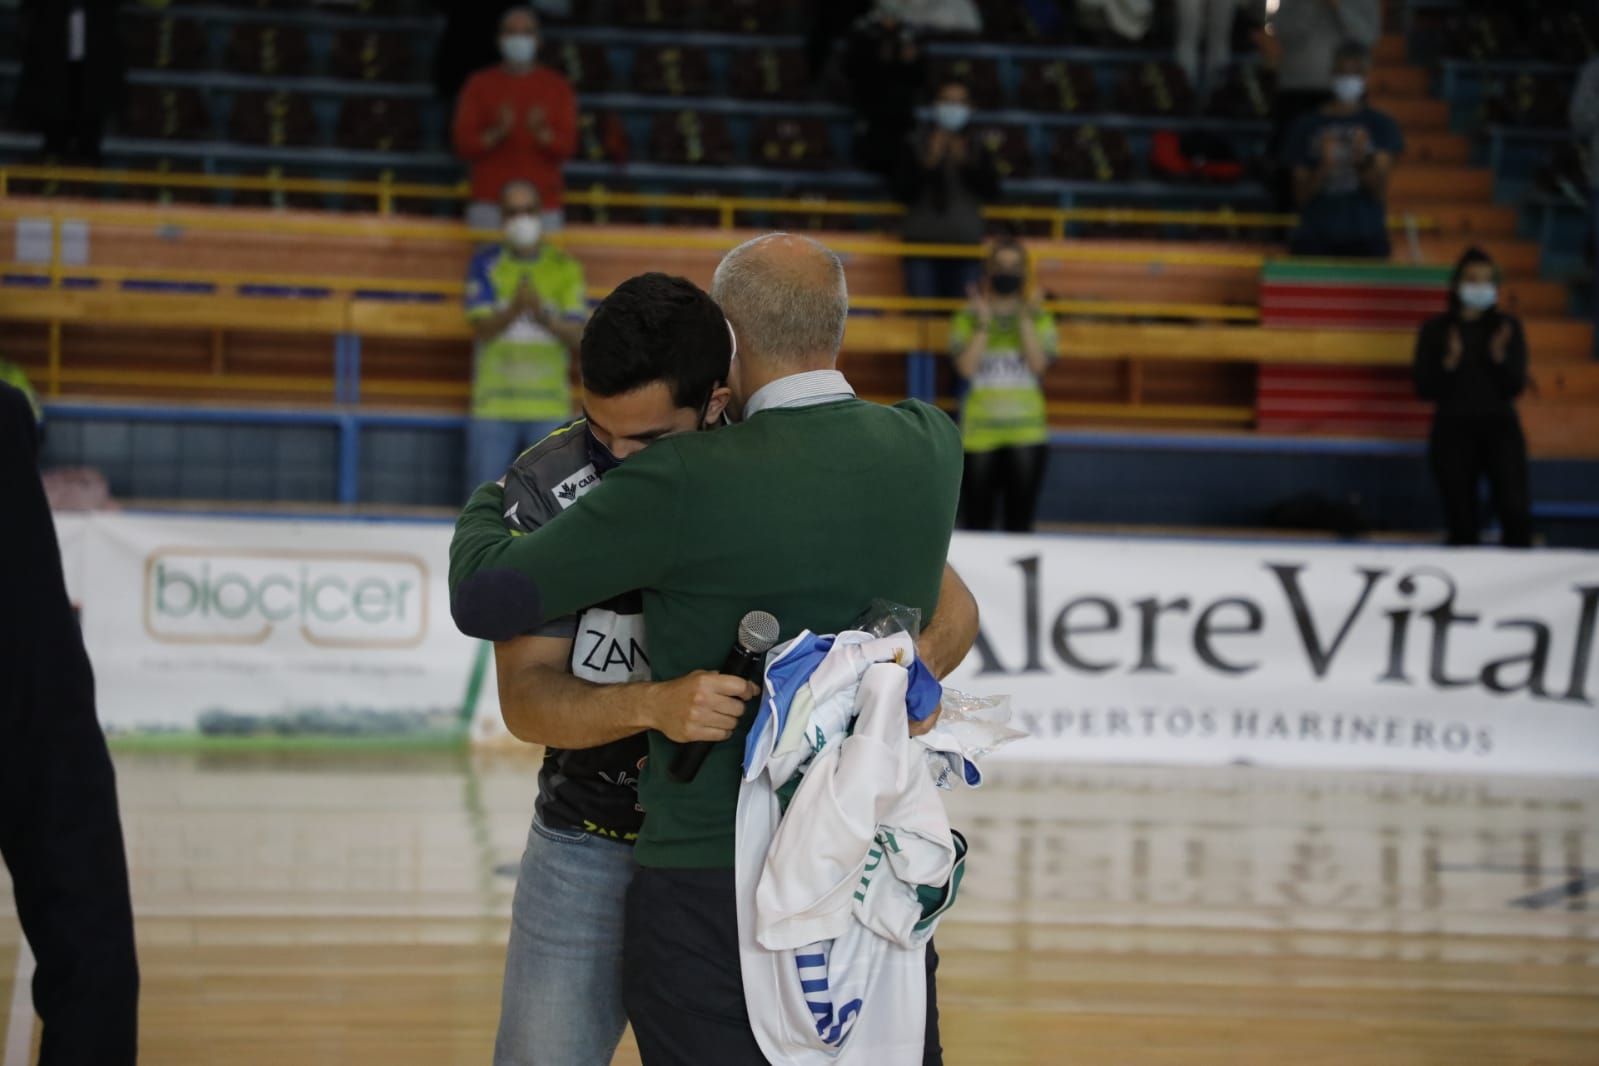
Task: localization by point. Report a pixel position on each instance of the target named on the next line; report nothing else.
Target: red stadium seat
(366, 55)
(1089, 153)
(379, 124)
(277, 119)
(586, 66)
(165, 112)
(980, 76)
(274, 51)
(1058, 86)
(672, 71)
(164, 43)
(1155, 89)
(690, 137)
(768, 73)
(601, 137)
(1013, 156)
(792, 144)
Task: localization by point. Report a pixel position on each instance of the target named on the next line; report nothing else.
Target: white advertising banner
(1124, 650)
(1162, 651)
(230, 627)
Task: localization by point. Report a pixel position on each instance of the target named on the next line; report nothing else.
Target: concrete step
(1415, 114)
(1391, 48)
(1412, 182)
(1437, 148)
(1402, 81)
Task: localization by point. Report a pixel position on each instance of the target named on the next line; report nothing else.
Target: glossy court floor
(352, 908)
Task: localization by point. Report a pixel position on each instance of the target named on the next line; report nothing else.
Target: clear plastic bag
(884, 618)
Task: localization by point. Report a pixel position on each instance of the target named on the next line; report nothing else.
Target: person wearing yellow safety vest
(1002, 344)
(526, 303)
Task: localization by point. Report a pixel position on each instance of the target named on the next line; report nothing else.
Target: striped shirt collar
(800, 390)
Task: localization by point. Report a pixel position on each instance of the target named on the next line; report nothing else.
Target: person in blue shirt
(1341, 156)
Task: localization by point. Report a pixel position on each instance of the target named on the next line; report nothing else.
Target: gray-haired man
(810, 508)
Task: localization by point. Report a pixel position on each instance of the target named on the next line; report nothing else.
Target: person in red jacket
(516, 121)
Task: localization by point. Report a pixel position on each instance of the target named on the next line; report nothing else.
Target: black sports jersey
(593, 789)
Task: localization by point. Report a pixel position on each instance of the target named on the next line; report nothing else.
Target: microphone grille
(758, 631)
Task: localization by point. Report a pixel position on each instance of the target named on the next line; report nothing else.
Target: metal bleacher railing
(347, 308)
(728, 208)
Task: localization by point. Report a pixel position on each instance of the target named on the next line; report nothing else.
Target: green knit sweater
(807, 512)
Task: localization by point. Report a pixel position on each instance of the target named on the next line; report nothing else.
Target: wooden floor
(352, 908)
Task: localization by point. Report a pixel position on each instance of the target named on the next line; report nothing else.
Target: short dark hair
(656, 327)
(1352, 50)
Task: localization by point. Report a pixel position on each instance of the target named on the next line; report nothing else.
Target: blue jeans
(492, 445)
(561, 1003)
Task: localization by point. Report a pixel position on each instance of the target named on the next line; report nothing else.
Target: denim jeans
(561, 1003)
(492, 445)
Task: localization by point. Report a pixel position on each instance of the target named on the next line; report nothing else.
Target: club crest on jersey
(575, 487)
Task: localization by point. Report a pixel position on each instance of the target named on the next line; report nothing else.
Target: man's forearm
(545, 705)
(953, 630)
(496, 322)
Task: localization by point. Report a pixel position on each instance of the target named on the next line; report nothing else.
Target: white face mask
(951, 116)
(1478, 295)
(1349, 88)
(519, 48)
(523, 232)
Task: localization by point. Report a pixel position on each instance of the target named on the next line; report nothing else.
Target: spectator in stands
(525, 301)
(886, 69)
(945, 175)
(1472, 360)
(1585, 123)
(72, 74)
(1212, 20)
(1002, 344)
(1341, 156)
(1306, 36)
(516, 121)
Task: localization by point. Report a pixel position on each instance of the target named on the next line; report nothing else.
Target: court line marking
(19, 1027)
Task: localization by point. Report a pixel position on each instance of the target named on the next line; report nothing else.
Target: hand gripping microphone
(757, 632)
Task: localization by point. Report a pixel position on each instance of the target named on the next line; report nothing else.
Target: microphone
(757, 632)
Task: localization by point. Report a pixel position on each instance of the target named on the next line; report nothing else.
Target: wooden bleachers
(1125, 366)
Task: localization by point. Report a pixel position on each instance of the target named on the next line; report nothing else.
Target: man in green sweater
(811, 507)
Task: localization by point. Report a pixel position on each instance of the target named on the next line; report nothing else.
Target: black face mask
(602, 459)
(599, 455)
(1005, 284)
